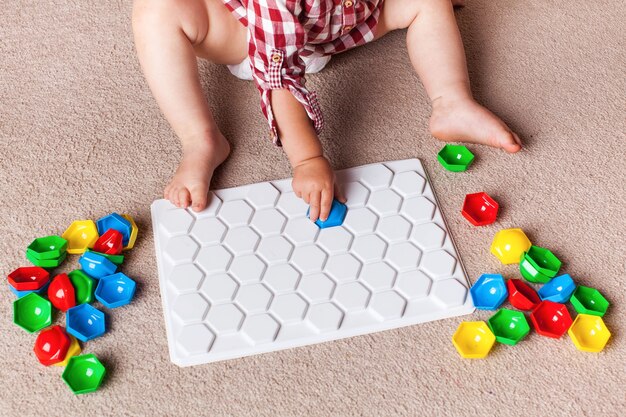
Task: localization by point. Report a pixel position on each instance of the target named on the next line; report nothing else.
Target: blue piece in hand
(335, 218)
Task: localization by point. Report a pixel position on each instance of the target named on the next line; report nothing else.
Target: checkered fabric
(281, 32)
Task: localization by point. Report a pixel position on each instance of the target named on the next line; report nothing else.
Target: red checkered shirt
(281, 32)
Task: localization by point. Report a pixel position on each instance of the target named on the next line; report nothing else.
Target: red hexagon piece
(61, 293)
(480, 209)
(52, 345)
(28, 278)
(522, 296)
(111, 243)
(551, 319)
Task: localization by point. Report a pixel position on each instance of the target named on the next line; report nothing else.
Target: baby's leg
(169, 34)
(436, 51)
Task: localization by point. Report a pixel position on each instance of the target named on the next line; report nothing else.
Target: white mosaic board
(251, 274)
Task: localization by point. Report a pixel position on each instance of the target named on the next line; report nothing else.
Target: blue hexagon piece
(558, 289)
(115, 290)
(20, 294)
(96, 265)
(117, 222)
(335, 217)
(85, 322)
(489, 291)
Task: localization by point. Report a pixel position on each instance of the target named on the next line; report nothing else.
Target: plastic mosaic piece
(336, 216)
(529, 271)
(32, 312)
(81, 234)
(45, 263)
(85, 322)
(83, 286)
(559, 289)
(543, 261)
(51, 345)
(116, 259)
(72, 351)
(455, 158)
(61, 293)
(589, 333)
(489, 291)
(588, 300)
(521, 296)
(48, 247)
(115, 290)
(509, 245)
(84, 374)
(134, 230)
(20, 294)
(473, 339)
(96, 265)
(117, 222)
(551, 319)
(480, 209)
(509, 326)
(240, 278)
(110, 243)
(29, 278)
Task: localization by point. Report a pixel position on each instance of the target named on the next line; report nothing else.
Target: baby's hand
(314, 182)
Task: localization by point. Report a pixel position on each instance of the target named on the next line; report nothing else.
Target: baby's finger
(327, 200)
(339, 195)
(314, 202)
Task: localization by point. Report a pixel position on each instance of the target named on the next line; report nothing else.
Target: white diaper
(313, 63)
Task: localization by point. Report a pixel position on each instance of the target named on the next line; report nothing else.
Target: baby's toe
(183, 197)
(198, 198)
(509, 142)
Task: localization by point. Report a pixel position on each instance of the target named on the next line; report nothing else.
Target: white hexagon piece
(394, 228)
(378, 276)
(235, 213)
(181, 249)
(316, 287)
(361, 220)
(262, 195)
(418, 209)
(195, 339)
(352, 296)
(190, 307)
(241, 240)
(413, 284)
(301, 230)
(356, 194)
(325, 317)
(261, 328)
(224, 318)
(408, 184)
(219, 288)
(213, 258)
(291, 205)
(247, 268)
(185, 278)
(388, 305)
(176, 222)
(403, 256)
(308, 259)
(281, 278)
(208, 231)
(385, 202)
(376, 177)
(253, 298)
(449, 293)
(342, 268)
(369, 248)
(268, 222)
(334, 239)
(275, 249)
(288, 307)
(438, 264)
(428, 236)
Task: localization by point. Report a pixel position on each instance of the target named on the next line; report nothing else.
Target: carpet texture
(81, 136)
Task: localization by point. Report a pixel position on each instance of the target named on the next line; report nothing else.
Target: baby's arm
(313, 178)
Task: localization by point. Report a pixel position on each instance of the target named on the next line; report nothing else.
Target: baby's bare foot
(464, 120)
(190, 184)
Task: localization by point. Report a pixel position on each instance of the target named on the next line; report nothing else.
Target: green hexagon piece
(84, 373)
(32, 312)
(455, 158)
(45, 263)
(587, 300)
(543, 260)
(47, 247)
(115, 259)
(509, 326)
(530, 272)
(83, 286)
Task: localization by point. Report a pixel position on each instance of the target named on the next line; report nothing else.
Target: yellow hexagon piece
(473, 339)
(509, 245)
(133, 232)
(81, 234)
(73, 350)
(589, 333)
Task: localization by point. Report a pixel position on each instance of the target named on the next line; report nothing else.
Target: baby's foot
(190, 184)
(464, 120)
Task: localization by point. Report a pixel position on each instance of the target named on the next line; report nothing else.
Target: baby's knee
(157, 17)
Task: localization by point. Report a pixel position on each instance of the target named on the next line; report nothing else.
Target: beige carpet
(81, 136)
